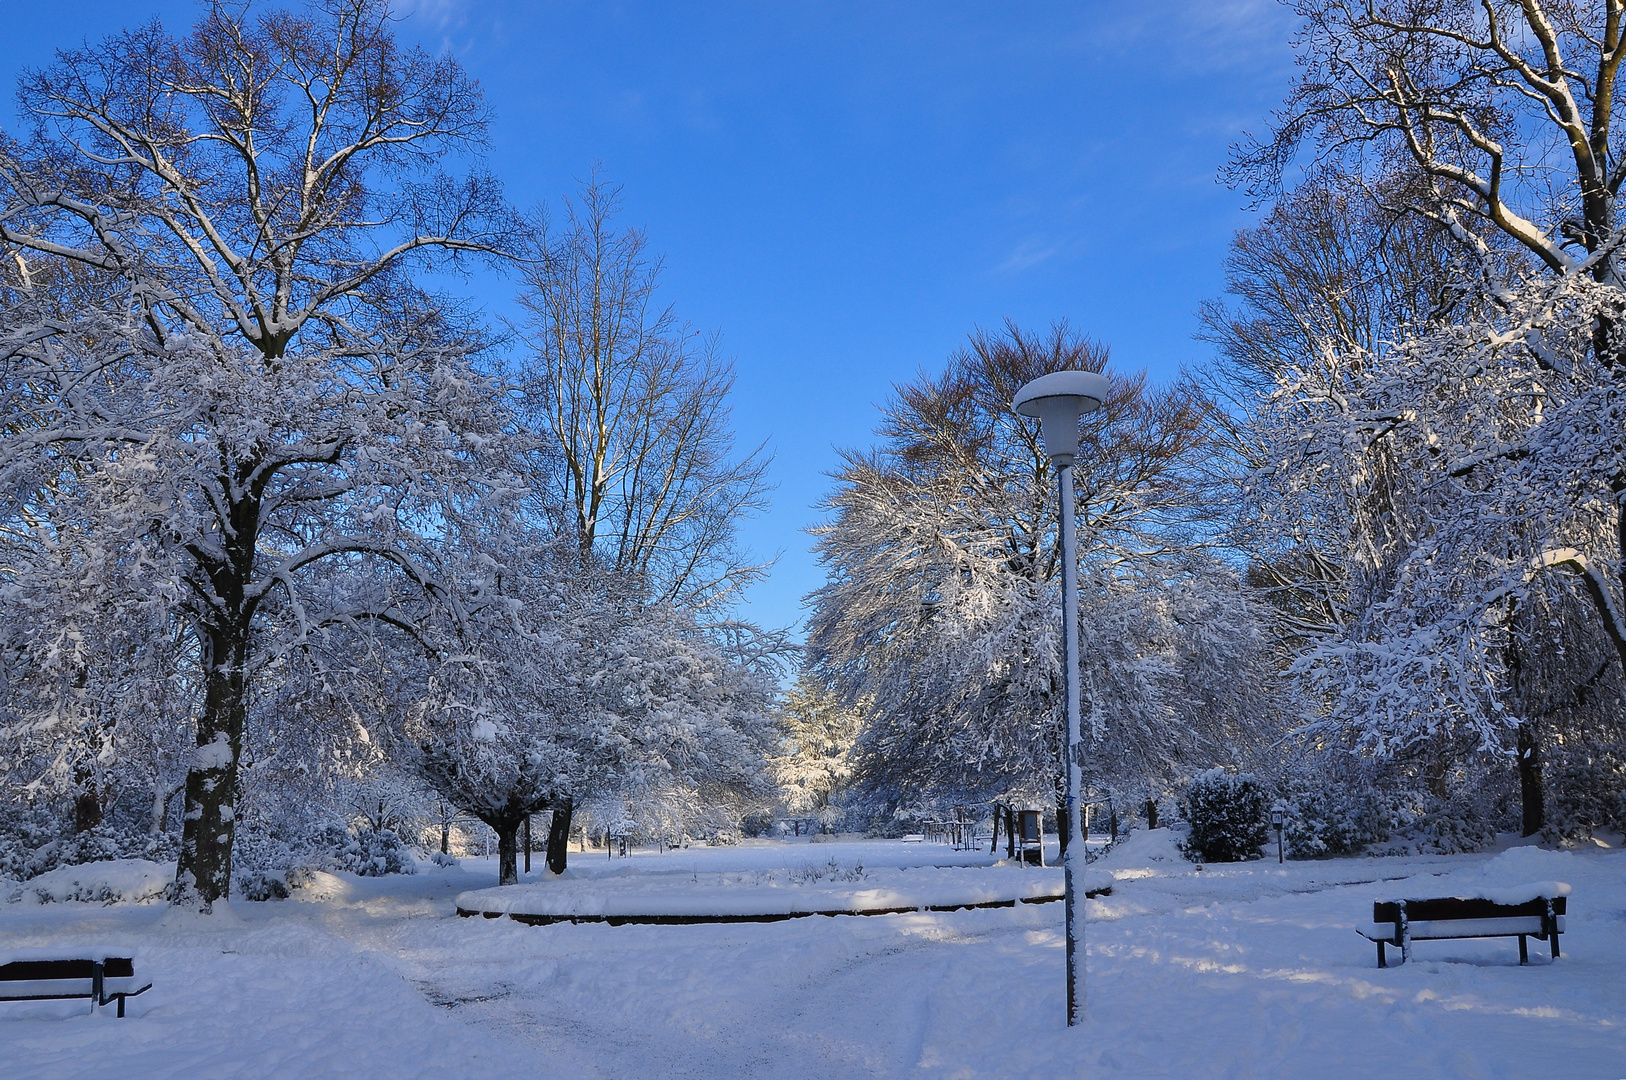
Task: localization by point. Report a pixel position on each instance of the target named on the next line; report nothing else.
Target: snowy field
(1249, 970)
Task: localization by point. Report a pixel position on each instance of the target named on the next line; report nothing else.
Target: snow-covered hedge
(1229, 816)
(116, 881)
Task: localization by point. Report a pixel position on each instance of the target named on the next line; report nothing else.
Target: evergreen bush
(1229, 816)
(1329, 814)
(367, 853)
(1585, 794)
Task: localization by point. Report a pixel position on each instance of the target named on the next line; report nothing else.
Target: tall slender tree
(632, 408)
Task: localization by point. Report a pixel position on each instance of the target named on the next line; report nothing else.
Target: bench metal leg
(1524, 951)
(1381, 961)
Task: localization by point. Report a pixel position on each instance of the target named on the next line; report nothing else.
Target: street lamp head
(1058, 400)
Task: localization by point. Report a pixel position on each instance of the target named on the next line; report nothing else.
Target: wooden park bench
(1401, 922)
(103, 979)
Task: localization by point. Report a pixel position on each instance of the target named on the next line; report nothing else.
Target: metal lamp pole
(1059, 400)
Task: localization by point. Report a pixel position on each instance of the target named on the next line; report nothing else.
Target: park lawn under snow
(1249, 970)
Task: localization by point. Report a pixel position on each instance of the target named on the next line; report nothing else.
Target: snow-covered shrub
(441, 858)
(260, 846)
(1229, 816)
(110, 881)
(1331, 813)
(1584, 795)
(367, 853)
(830, 871)
(33, 841)
(1478, 804)
(116, 840)
(260, 885)
(25, 831)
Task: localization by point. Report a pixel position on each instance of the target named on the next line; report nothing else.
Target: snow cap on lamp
(1058, 400)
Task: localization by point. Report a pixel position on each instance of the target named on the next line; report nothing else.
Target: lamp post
(1059, 400)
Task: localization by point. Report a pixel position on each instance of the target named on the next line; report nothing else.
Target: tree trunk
(1530, 792)
(507, 850)
(559, 835)
(527, 832)
(87, 808)
(1151, 814)
(445, 838)
(1528, 751)
(162, 794)
(1063, 827)
(203, 872)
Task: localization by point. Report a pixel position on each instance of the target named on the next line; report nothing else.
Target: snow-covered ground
(1249, 970)
(718, 887)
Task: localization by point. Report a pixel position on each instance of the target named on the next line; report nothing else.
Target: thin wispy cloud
(1028, 254)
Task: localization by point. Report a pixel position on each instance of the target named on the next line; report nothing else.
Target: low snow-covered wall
(663, 898)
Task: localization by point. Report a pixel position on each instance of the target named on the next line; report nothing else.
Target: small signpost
(1277, 819)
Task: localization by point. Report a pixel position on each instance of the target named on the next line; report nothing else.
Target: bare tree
(1501, 111)
(257, 391)
(634, 405)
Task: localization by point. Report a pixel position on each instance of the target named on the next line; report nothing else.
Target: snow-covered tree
(1493, 118)
(817, 734)
(941, 613)
(1469, 478)
(568, 691)
(218, 381)
(1495, 122)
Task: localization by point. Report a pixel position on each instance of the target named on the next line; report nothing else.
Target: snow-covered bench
(37, 977)
(1526, 911)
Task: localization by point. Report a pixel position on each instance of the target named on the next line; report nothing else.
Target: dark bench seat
(102, 979)
(1401, 922)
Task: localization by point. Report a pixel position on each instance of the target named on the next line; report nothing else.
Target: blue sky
(844, 190)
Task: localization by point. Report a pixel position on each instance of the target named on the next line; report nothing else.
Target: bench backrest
(1452, 907)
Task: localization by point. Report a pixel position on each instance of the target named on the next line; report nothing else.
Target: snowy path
(1246, 971)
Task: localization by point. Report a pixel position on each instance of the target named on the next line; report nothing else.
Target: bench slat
(1441, 929)
(113, 967)
(1463, 908)
(63, 988)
